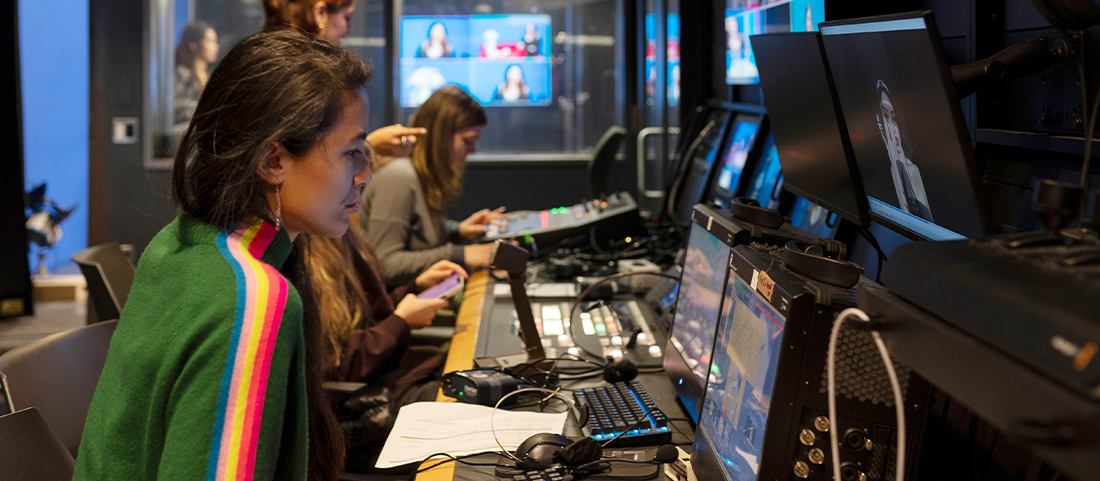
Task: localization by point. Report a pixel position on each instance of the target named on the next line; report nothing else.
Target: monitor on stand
(805, 120)
(766, 186)
(740, 143)
(905, 125)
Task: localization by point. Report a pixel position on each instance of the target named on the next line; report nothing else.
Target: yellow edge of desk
(461, 354)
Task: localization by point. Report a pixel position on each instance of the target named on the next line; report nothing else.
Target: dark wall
(126, 203)
(15, 276)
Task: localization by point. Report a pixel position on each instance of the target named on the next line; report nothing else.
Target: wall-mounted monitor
(905, 124)
(751, 17)
(501, 60)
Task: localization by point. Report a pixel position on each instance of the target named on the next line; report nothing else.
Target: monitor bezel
(862, 216)
(981, 204)
(688, 390)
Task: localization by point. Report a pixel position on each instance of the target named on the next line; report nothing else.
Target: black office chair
(57, 375)
(109, 276)
(599, 167)
(29, 450)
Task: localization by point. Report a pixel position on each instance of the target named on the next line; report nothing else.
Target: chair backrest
(109, 276)
(57, 375)
(599, 167)
(29, 450)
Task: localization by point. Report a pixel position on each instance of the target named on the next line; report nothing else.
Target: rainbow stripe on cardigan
(261, 298)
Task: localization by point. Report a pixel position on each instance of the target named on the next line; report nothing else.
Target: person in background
(514, 87)
(531, 41)
(403, 217)
(198, 48)
(329, 20)
(437, 45)
(213, 370)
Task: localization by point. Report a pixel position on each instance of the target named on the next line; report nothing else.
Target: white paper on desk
(427, 428)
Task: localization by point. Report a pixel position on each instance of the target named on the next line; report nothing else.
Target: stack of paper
(427, 428)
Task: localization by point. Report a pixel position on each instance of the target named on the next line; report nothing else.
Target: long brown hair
(341, 297)
(447, 111)
(190, 39)
(299, 13)
(275, 86)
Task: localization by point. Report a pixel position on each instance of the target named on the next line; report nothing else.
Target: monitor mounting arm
(1017, 60)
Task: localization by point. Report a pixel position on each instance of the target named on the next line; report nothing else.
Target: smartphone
(446, 288)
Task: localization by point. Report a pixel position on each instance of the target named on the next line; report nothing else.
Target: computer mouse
(538, 450)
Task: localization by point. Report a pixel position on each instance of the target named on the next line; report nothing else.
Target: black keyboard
(614, 408)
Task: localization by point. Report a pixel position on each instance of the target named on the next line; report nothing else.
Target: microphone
(667, 453)
(621, 371)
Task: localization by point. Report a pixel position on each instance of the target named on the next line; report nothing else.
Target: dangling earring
(278, 207)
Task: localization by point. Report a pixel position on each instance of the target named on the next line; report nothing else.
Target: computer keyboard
(614, 408)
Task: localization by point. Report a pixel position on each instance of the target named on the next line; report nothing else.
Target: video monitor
(905, 124)
(814, 219)
(690, 184)
(501, 60)
(739, 145)
(745, 18)
(766, 186)
(742, 378)
(698, 304)
(805, 120)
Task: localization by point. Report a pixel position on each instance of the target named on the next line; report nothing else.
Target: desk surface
(461, 356)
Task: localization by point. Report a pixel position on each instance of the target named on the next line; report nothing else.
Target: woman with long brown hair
(403, 211)
(213, 370)
(329, 20)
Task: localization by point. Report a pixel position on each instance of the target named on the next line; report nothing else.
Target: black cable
(461, 459)
(871, 239)
(580, 298)
(643, 417)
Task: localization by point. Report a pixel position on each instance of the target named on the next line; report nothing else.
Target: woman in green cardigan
(212, 371)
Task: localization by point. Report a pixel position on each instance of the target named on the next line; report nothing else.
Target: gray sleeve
(390, 210)
(452, 231)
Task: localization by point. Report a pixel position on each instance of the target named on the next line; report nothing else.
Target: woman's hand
(437, 273)
(388, 141)
(419, 312)
(477, 255)
(474, 226)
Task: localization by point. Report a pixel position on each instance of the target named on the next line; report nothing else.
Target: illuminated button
(553, 327)
(655, 351)
(616, 341)
(605, 342)
(574, 351)
(586, 324)
(617, 354)
(645, 339)
(551, 311)
(601, 329)
(565, 341)
(546, 342)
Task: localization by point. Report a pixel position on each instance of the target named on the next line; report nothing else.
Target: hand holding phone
(445, 289)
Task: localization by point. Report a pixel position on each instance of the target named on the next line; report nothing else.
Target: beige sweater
(407, 236)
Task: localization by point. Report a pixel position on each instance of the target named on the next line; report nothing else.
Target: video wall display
(501, 60)
(751, 17)
(672, 57)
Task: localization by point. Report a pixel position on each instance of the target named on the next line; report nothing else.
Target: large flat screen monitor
(905, 124)
(698, 304)
(739, 144)
(742, 377)
(809, 131)
(750, 17)
(501, 60)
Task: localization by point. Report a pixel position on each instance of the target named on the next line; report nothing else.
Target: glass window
(187, 39)
(549, 76)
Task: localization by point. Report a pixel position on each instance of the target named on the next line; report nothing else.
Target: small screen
(733, 161)
(814, 219)
(905, 125)
(697, 177)
(699, 300)
(767, 178)
(501, 60)
(750, 17)
(742, 377)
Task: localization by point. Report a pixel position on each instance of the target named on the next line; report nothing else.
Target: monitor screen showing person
(742, 377)
(501, 60)
(905, 125)
(767, 178)
(746, 18)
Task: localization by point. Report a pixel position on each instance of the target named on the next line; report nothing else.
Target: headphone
(528, 455)
(749, 210)
(809, 259)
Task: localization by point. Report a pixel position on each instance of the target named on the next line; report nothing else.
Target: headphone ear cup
(583, 410)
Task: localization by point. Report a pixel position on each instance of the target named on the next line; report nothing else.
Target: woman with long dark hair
(403, 217)
(198, 48)
(213, 371)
